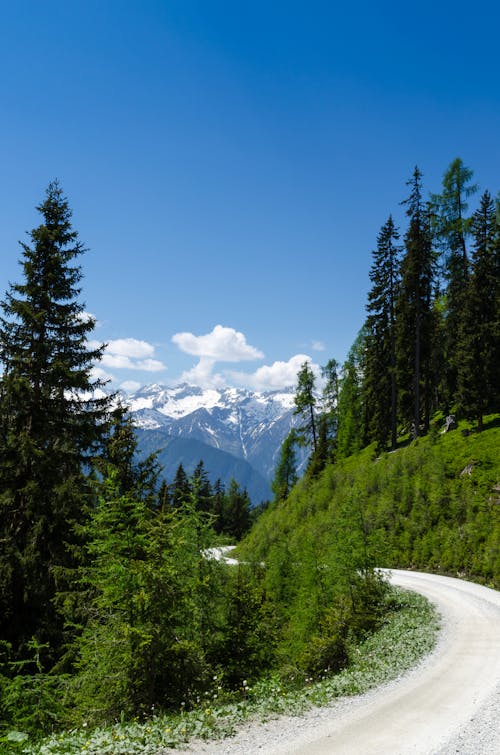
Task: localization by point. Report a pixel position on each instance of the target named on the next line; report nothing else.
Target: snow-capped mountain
(245, 424)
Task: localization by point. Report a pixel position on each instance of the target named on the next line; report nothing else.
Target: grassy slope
(433, 505)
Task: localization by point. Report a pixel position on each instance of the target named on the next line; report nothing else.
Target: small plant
(32, 700)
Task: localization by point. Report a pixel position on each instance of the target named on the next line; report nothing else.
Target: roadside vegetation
(407, 633)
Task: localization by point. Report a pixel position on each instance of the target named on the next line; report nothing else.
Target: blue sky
(229, 164)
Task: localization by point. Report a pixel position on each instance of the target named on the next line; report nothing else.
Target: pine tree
(305, 406)
(164, 499)
(330, 404)
(352, 423)
(452, 229)
(321, 456)
(478, 369)
(327, 421)
(50, 425)
(181, 488)
(201, 488)
(285, 475)
(151, 609)
(219, 507)
(380, 374)
(237, 511)
(138, 478)
(415, 313)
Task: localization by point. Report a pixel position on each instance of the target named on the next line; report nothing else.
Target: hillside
(433, 505)
(189, 451)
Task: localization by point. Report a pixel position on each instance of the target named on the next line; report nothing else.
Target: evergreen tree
(415, 312)
(152, 607)
(450, 219)
(134, 477)
(219, 507)
(478, 369)
(351, 435)
(327, 421)
(164, 500)
(380, 374)
(329, 407)
(305, 406)
(285, 475)
(181, 488)
(201, 488)
(452, 228)
(237, 511)
(50, 425)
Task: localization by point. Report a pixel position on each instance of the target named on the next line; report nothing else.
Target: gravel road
(450, 703)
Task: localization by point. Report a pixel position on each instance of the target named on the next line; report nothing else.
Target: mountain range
(236, 432)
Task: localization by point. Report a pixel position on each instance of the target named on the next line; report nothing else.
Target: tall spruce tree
(380, 372)
(49, 425)
(479, 343)
(138, 478)
(330, 404)
(201, 488)
(415, 313)
(285, 475)
(238, 519)
(180, 488)
(327, 421)
(352, 412)
(452, 229)
(305, 406)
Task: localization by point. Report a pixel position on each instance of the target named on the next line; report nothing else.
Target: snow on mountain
(246, 424)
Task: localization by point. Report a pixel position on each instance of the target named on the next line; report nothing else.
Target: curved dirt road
(431, 710)
(449, 704)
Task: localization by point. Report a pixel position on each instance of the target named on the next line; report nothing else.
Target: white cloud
(87, 317)
(221, 345)
(97, 373)
(117, 362)
(276, 376)
(202, 375)
(128, 354)
(318, 346)
(130, 386)
(149, 365)
(130, 347)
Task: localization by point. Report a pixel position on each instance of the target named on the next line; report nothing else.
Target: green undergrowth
(408, 633)
(432, 505)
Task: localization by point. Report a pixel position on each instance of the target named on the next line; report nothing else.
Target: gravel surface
(449, 703)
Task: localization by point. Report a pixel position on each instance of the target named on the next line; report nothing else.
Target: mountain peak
(247, 424)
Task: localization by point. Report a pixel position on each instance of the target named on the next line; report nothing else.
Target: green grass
(408, 633)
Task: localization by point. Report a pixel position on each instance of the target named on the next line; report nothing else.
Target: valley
(238, 433)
